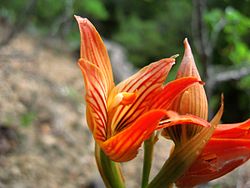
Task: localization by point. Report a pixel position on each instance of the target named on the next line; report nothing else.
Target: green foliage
(52, 17)
(235, 28)
(140, 38)
(11, 9)
(27, 118)
(213, 17)
(147, 29)
(217, 186)
(245, 83)
(231, 27)
(47, 14)
(94, 8)
(153, 32)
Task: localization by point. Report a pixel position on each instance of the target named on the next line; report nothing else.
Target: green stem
(109, 170)
(147, 162)
(164, 178)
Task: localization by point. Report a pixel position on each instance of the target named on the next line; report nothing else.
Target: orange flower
(229, 145)
(228, 148)
(121, 117)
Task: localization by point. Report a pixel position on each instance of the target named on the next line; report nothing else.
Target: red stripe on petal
(184, 120)
(146, 83)
(96, 97)
(194, 100)
(165, 98)
(94, 50)
(124, 145)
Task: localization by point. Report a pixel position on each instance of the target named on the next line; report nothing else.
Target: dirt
(42, 108)
(44, 139)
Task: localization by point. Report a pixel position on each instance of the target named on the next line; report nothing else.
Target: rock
(122, 68)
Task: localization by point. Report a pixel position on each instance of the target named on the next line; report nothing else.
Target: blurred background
(42, 138)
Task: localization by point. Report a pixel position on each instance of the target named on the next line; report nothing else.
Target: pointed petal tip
(81, 20)
(187, 66)
(77, 17)
(222, 102)
(175, 56)
(186, 43)
(222, 98)
(187, 47)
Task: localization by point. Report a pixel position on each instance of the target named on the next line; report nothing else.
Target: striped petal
(171, 90)
(95, 99)
(145, 84)
(94, 51)
(174, 119)
(124, 145)
(193, 100)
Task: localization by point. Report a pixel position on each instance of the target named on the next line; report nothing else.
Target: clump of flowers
(122, 117)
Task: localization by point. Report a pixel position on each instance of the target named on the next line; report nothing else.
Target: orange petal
(124, 145)
(174, 119)
(193, 100)
(219, 157)
(166, 97)
(183, 123)
(146, 84)
(235, 130)
(96, 97)
(94, 51)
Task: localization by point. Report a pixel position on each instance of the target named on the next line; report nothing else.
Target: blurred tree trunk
(200, 36)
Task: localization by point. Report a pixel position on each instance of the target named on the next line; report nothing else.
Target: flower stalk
(110, 171)
(147, 160)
